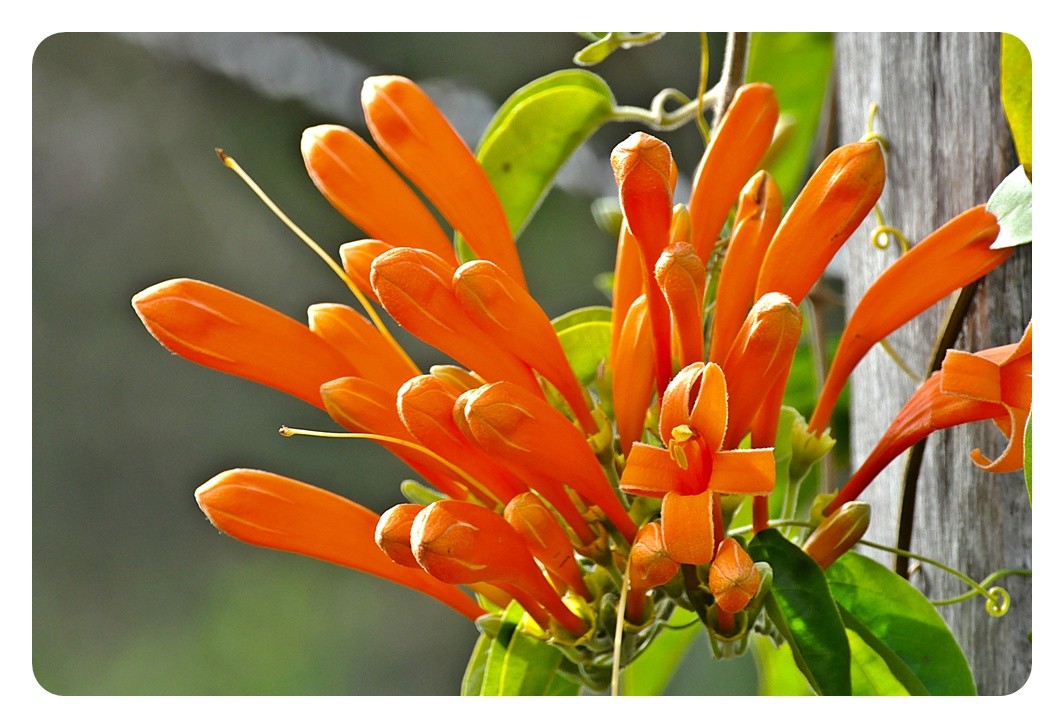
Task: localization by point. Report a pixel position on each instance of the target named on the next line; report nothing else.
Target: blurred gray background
(134, 592)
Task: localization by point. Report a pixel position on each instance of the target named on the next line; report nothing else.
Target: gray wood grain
(950, 147)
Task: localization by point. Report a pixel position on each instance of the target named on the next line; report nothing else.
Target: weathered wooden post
(950, 146)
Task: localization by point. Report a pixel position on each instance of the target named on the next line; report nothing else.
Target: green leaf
(650, 673)
(801, 607)
(535, 132)
(798, 65)
(869, 672)
(1027, 458)
(905, 623)
(514, 663)
(606, 43)
(1011, 204)
(777, 673)
(473, 680)
(1016, 95)
(582, 315)
(586, 345)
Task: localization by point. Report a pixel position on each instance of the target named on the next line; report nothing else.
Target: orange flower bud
(359, 405)
(838, 533)
(236, 335)
(829, 208)
(275, 512)
(357, 258)
(368, 192)
(393, 533)
(546, 539)
(649, 562)
(508, 422)
(512, 318)
(425, 404)
(643, 165)
(370, 354)
(733, 578)
(627, 285)
(633, 376)
(756, 220)
(643, 168)
(762, 353)
(419, 140)
(649, 565)
(953, 256)
(414, 286)
(681, 274)
(463, 543)
(742, 137)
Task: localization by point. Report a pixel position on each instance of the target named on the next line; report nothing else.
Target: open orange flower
(693, 467)
(994, 384)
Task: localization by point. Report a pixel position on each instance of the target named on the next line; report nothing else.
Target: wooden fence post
(939, 107)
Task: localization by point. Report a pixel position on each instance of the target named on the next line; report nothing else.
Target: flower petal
(687, 526)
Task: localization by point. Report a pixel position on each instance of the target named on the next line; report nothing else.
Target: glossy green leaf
(650, 673)
(801, 607)
(1016, 95)
(473, 680)
(1011, 204)
(869, 673)
(904, 621)
(1028, 454)
(586, 345)
(513, 663)
(777, 674)
(535, 132)
(582, 315)
(798, 65)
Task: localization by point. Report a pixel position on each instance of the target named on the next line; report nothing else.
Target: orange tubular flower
(633, 376)
(744, 134)
(951, 257)
(997, 387)
(359, 405)
(643, 168)
(415, 288)
(463, 543)
(512, 318)
(681, 275)
(829, 208)
(546, 539)
(425, 405)
(225, 331)
(419, 140)
(627, 284)
(694, 415)
(268, 510)
(762, 354)
(368, 192)
(756, 219)
(371, 355)
(508, 422)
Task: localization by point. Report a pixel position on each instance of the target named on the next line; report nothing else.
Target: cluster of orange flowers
(542, 479)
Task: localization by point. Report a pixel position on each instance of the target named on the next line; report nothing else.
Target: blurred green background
(134, 592)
